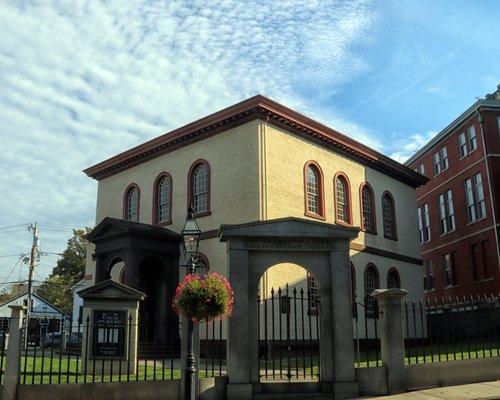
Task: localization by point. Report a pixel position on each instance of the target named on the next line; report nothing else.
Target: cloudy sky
(83, 80)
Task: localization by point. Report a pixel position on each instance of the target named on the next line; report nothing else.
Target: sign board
(109, 333)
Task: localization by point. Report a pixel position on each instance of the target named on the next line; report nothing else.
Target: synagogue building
(254, 161)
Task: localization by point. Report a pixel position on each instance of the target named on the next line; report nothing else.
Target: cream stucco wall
(232, 156)
(284, 157)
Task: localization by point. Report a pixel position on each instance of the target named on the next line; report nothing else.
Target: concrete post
(345, 385)
(13, 356)
(392, 337)
(240, 344)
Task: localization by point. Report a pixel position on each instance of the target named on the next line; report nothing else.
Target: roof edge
(257, 107)
(479, 104)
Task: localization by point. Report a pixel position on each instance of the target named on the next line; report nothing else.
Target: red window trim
(321, 215)
(190, 186)
(374, 208)
(158, 179)
(394, 235)
(342, 175)
(125, 201)
(391, 271)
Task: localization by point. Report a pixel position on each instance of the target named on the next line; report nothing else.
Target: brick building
(459, 208)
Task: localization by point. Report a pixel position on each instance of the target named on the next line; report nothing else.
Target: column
(392, 337)
(240, 342)
(13, 356)
(130, 274)
(343, 351)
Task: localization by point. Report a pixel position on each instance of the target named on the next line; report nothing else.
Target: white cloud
(406, 147)
(83, 81)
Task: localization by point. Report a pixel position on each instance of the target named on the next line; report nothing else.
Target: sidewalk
(474, 391)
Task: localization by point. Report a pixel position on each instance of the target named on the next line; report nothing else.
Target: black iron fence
(289, 333)
(449, 329)
(366, 333)
(212, 349)
(95, 352)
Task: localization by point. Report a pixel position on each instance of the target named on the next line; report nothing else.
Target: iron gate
(289, 334)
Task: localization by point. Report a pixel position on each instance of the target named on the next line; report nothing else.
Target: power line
(13, 226)
(12, 270)
(11, 255)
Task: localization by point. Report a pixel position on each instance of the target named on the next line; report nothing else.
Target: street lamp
(190, 241)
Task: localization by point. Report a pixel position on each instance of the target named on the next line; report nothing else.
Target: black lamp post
(190, 240)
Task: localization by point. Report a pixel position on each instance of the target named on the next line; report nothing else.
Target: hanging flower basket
(204, 298)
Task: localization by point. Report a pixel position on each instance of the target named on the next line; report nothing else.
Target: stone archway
(324, 250)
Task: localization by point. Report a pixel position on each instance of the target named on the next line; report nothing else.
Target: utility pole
(33, 258)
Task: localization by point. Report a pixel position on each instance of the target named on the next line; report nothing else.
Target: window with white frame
(424, 225)
(313, 200)
(498, 124)
(441, 162)
(448, 265)
(421, 169)
(428, 275)
(471, 132)
(481, 204)
(163, 196)
(462, 145)
(200, 188)
(132, 205)
(446, 213)
(474, 197)
(342, 199)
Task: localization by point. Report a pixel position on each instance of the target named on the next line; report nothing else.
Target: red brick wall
(465, 235)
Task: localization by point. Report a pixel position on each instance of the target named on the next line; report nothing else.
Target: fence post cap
(389, 293)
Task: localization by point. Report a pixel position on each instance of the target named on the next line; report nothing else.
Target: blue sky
(82, 81)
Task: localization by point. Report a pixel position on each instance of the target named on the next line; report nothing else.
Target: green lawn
(69, 371)
(434, 353)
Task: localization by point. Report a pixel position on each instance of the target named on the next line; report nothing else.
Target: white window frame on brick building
(446, 213)
(462, 145)
(424, 225)
(448, 270)
(474, 197)
(428, 277)
(471, 133)
(441, 162)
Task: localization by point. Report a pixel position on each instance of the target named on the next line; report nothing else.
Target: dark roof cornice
(257, 107)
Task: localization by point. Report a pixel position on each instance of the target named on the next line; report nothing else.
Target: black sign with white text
(109, 333)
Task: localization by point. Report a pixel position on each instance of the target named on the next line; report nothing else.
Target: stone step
(293, 396)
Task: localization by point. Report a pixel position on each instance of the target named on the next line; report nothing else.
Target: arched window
(162, 198)
(393, 280)
(368, 222)
(389, 216)
(203, 264)
(342, 199)
(131, 203)
(371, 283)
(199, 188)
(313, 186)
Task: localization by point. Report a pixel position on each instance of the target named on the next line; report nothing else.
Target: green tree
(70, 268)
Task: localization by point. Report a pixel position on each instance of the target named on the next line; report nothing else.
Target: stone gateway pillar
(110, 327)
(321, 248)
(392, 342)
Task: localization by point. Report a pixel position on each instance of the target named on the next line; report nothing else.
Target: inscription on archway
(288, 244)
